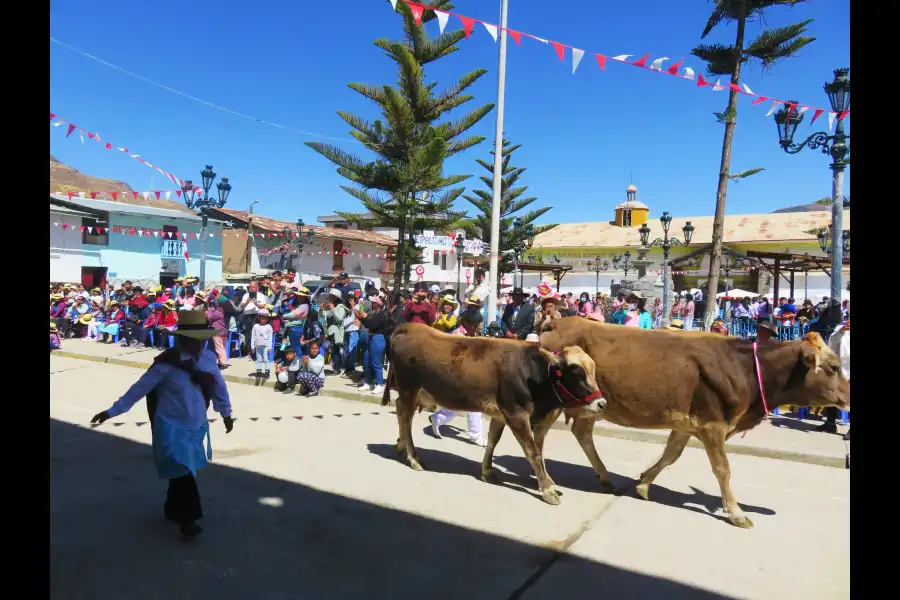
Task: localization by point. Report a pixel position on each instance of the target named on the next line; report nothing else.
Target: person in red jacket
(167, 322)
(419, 309)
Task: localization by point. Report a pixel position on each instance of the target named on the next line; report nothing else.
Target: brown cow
(698, 384)
(508, 380)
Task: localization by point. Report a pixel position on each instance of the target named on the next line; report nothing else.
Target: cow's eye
(835, 369)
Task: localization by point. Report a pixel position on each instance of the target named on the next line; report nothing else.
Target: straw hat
(263, 312)
(53, 328)
(473, 301)
(636, 294)
(85, 319)
(676, 324)
(170, 304)
(56, 297)
(177, 279)
(193, 324)
(336, 293)
(448, 299)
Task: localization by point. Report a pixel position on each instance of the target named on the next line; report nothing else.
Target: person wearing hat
(179, 386)
(547, 312)
(341, 283)
(638, 315)
(58, 307)
(518, 316)
(218, 320)
(76, 310)
(55, 343)
(766, 330)
(250, 305)
(332, 312)
(676, 325)
(115, 317)
(470, 322)
(297, 308)
(166, 323)
(419, 309)
(446, 320)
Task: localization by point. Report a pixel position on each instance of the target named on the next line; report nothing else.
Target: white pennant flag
(212, 234)
(146, 195)
(90, 229)
(831, 117)
(394, 4)
(688, 73)
(774, 107)
(542, 40)
(81, 135)
(491, 29)
(140, 232)
(81, 194)
(622, 57)
(656, 65)
(57, 124)
(577, 55)
(97, 137)
(717, 87)
(155, 234)
(802, 110)
(168, 195)
(442, 17)
(747, 89)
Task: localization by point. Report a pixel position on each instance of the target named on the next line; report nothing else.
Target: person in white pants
(470, 320)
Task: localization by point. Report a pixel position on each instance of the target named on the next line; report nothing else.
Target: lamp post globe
(203, 203)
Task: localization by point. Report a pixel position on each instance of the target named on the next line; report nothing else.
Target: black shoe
(258, 374)
(827, 427)
(266, 375)
(190, 530)
(223, 367)
(289, 390)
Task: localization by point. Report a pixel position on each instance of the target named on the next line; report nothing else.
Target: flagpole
(498, 174)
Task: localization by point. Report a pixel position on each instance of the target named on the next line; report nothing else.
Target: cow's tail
(386, 397)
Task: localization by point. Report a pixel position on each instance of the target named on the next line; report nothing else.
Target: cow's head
(559, 333)
(573, 375)
(816, 378)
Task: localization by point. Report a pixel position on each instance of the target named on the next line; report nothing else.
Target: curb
(601, 431)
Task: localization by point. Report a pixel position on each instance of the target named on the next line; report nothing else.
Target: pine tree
(511, 202)
(770, 46)
(404, 187)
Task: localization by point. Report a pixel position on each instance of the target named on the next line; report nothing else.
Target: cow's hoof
(416, 465)
(607, 487)
(643, 490)
(741, 521)
(490, 477)
(550, 496)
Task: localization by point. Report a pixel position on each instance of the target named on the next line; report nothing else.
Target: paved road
(307, 501)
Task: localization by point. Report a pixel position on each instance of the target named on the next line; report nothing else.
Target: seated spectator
(80, 327)
(311, 376)
(116, 316)
(166, 323)
(77, 309)
(151, 320)
(55, 343)
(58, 307)
(286, 371)
(139, 300)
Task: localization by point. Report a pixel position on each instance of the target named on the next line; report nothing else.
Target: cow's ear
(552, 358)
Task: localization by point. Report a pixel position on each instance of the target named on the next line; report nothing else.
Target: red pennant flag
(790, 109)
(90, 135)
(70, 194)
(157, 195)
(818, 112)
(560, 50)
(65, 225)
(735, 87)
(82, 228)
(701, 82)
(52, 116)
(843, 114)
(93, 195)
(673, 70)
(108, 146)
(99, 230)
(417, 11)
(245, 235)
(758, 100)
(115, 195)
(186, 255)
(468, 24)
(601, 60)
(642, 62)
(135, 194)
(131, 232)
(178, 193)
(513, 34)
(71, 129)
(191, 235)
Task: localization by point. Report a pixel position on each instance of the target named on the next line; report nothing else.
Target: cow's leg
(674, 447)
(713, 439)
(487, 464)
(406, 408)
(583, 430)
(520, 425)
(540, 434)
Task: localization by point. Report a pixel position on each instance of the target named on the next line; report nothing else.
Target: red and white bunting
(656, 65)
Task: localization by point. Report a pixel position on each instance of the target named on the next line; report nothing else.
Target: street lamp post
(729, 264)
(460, 240)
(203, 204)
(623, 260)
(597, 266)
(310, 235)
(666, 244)
(523, 238)
(787, 120)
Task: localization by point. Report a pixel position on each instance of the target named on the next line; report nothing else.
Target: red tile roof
(347, 235)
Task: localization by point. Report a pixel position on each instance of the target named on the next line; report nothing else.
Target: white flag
(774, 107)
(656, 65)
(57, 124)
(542, 40)
(491, 29)
(97, 137)
(168, 195)
(141, 232)
(81, 194)
(802, 110)
(146, 195)
(155, 234)
(81, 135)
(688, 73)
(747, 89)
(394, 4)
(56, 224)
(576, 58)
(717, 87)
(622, 57)
(831, 117)
(90, 229)
(442, 17)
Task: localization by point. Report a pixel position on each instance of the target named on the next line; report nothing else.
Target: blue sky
(582, 135)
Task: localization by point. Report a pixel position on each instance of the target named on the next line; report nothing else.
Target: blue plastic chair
(234, 339)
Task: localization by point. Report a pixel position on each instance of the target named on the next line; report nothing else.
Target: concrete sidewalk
(782, 437)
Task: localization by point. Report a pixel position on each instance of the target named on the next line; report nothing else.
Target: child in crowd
(55, 343)
(446, 320)
(261, 339)
(286, 371)
(312, 331)
(312, 375)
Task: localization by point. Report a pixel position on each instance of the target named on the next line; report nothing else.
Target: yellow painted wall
(639, 216)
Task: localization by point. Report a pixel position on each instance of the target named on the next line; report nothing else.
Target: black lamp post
(203, 204)
(666, 244)
(787, 120)
(825, 241)
(622, 261)
(310, 235)
(730, 264)
(598, 266)
(459, 245)
(523, 238)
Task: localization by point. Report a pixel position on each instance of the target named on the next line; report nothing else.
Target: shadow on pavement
(795, 424)
(268, 538)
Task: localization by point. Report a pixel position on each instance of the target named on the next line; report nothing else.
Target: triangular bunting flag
(701, 82)
(212, 234)
(135, 195)
(70, 194)
(93, 195)
(688, 73)
(417, 11)
(131, 232)
(146, 195)
(157, 195)
(115, 195)
(168, 195)
(81, 228)
(468, 24)
(191, 235)
(831, 117)
(717, 87)
(759, 100)
(843, 114)
(100, 230)
(747, 89)
(577, 55)
(90, 135)
(155, 234)
(673, 70)
(656, 65)
(108, 146)
(491, 29)
(442, 18)
(52, 116)
(622, 57)
(802, 110)
(601, 60)
(178, 193)
(140, 233)
(642, 61)
(65, 226)
(71, 129)
(774, 107)
(516, 36)
(560, 50)
(81, 194)
(393, 4)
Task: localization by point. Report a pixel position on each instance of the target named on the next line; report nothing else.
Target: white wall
(361, 260)
(65, 248)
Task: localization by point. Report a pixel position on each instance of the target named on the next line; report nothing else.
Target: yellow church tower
(632, 213)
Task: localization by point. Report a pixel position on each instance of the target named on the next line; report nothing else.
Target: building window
(444, 262)
(338, 262)
(91, 236)
(626, 217)
(437, 257)
(167, 229)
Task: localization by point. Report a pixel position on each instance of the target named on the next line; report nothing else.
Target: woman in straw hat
(55, 343)
(166, 322)
(179, 387)
(446, 320)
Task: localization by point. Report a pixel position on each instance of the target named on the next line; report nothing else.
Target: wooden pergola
(559, 271)
(792, 264)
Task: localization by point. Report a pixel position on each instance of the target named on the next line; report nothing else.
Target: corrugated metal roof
(127, 209)
(348, 235)
(70, 211)
(771, 227)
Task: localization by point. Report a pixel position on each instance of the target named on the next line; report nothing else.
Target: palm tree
(404, 187)
(770, 46)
